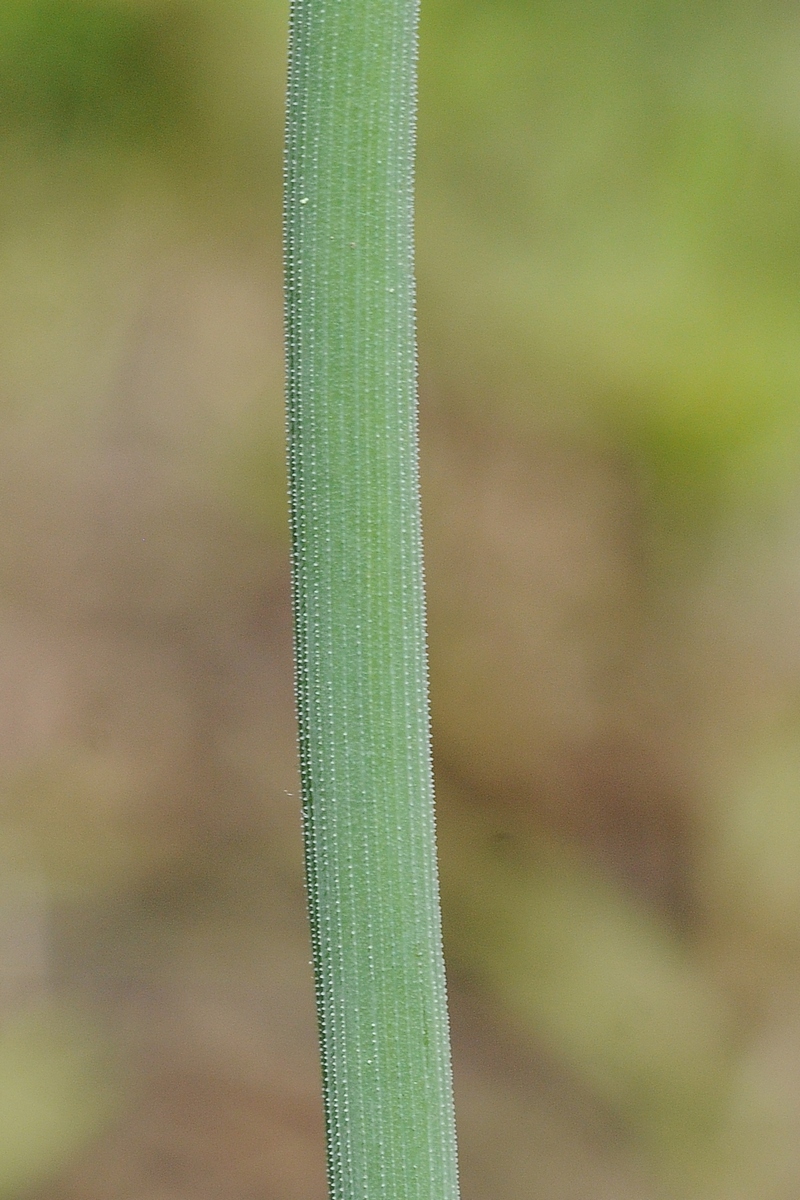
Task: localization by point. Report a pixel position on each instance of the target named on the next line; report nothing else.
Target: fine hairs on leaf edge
(361, 669)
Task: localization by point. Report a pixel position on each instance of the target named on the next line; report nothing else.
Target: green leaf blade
(359, 601)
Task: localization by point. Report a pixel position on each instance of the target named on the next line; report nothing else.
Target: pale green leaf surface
(359, 606)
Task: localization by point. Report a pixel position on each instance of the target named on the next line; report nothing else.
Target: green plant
(359, 601)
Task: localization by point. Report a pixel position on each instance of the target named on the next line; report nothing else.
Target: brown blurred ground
(148, 747)
(149, 759)
(148, 741)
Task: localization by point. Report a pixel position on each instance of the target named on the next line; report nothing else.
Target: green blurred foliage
(608, 222)
(608, 219)
(97, 70)
(55, 1092)
(608, 229)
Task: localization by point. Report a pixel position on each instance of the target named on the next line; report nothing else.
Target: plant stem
(359, 601)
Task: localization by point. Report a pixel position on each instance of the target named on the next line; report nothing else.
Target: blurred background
(609, 310)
